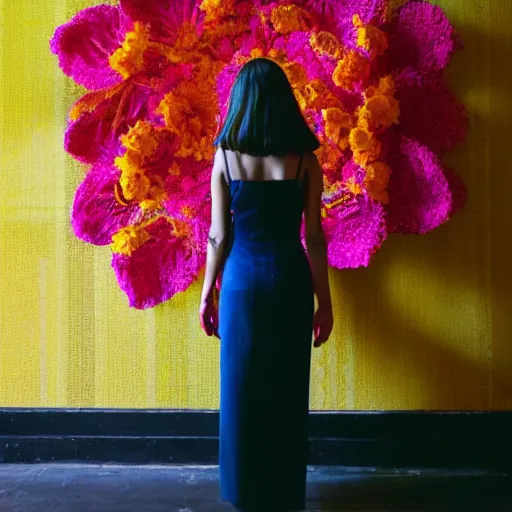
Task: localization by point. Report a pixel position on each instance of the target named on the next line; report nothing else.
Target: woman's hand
(322, 325)
(209, 315)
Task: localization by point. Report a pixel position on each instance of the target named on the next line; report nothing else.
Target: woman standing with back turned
(264, 177)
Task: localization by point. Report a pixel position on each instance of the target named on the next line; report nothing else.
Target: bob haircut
(263, 115)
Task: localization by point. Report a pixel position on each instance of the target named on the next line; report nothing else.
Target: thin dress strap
(299, 167)
(227, 165)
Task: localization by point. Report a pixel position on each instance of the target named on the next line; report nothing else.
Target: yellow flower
(216, 9)
(376, 181)
(129, 239)
(190, 113)
(149, 205)
(370, 38)
(142, 139)
(289, 18)
(350, 69)
(129, 59)
(325, 43)
(338, 125)
(381, 112)
(135, 185)
(365, 147)
(361, 139)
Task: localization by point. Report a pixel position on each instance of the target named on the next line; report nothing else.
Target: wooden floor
(107, 488)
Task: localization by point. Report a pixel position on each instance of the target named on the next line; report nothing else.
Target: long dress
(266, 311)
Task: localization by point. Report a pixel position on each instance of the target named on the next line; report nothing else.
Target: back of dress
(265, 326)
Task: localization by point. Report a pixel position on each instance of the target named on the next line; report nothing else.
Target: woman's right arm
(317, 249)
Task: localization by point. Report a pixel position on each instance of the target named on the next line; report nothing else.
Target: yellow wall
(427, 326)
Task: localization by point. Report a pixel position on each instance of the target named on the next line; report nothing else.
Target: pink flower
(160, 73)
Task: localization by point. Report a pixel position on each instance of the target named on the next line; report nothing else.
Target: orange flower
(129, 239)
(142, 139)
(318, 96)
(187, 47)
(376, 181)
(278, 55)
(328, 156)
(216, 9)
(338, 125)
(289, 18)
(296, 74)
(228, 28)
(325, 43)
(381, 112)
(351, 69)
(364, 158)
(365, 147)
(190, 113)
(361, 139)
(256, 53)
(370, 38)
(386, 87)
(129, 59)
(150, 205)
(134, 184)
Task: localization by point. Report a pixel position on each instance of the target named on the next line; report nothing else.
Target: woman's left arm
(217, 238)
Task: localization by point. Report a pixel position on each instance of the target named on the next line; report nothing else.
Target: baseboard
(397, 439)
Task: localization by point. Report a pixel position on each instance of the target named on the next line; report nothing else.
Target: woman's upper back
(244, 167)
(266, 198)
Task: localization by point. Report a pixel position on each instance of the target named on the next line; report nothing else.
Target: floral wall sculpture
(369, 80)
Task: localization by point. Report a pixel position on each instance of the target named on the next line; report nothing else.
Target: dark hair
(263, 115)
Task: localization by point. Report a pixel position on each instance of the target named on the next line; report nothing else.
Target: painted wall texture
(427, 326)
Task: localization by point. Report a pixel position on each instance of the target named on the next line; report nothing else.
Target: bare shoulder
(218, 162)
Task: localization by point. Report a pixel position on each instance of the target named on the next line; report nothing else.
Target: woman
(264, 177)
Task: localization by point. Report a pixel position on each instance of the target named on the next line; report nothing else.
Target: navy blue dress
(265, 325)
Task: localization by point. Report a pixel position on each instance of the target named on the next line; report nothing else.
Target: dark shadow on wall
(467, 256)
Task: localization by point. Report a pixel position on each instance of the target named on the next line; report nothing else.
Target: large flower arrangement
(369, 80)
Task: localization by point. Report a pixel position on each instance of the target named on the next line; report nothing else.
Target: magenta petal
(94, 136)
(368, 10)
(163, 17)
(85, 44)
(96, 215)
(163, 266)
(430, 112)
(89, 139)
(336, 15)
(355, 230)
(420, 198)
(423, 38)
